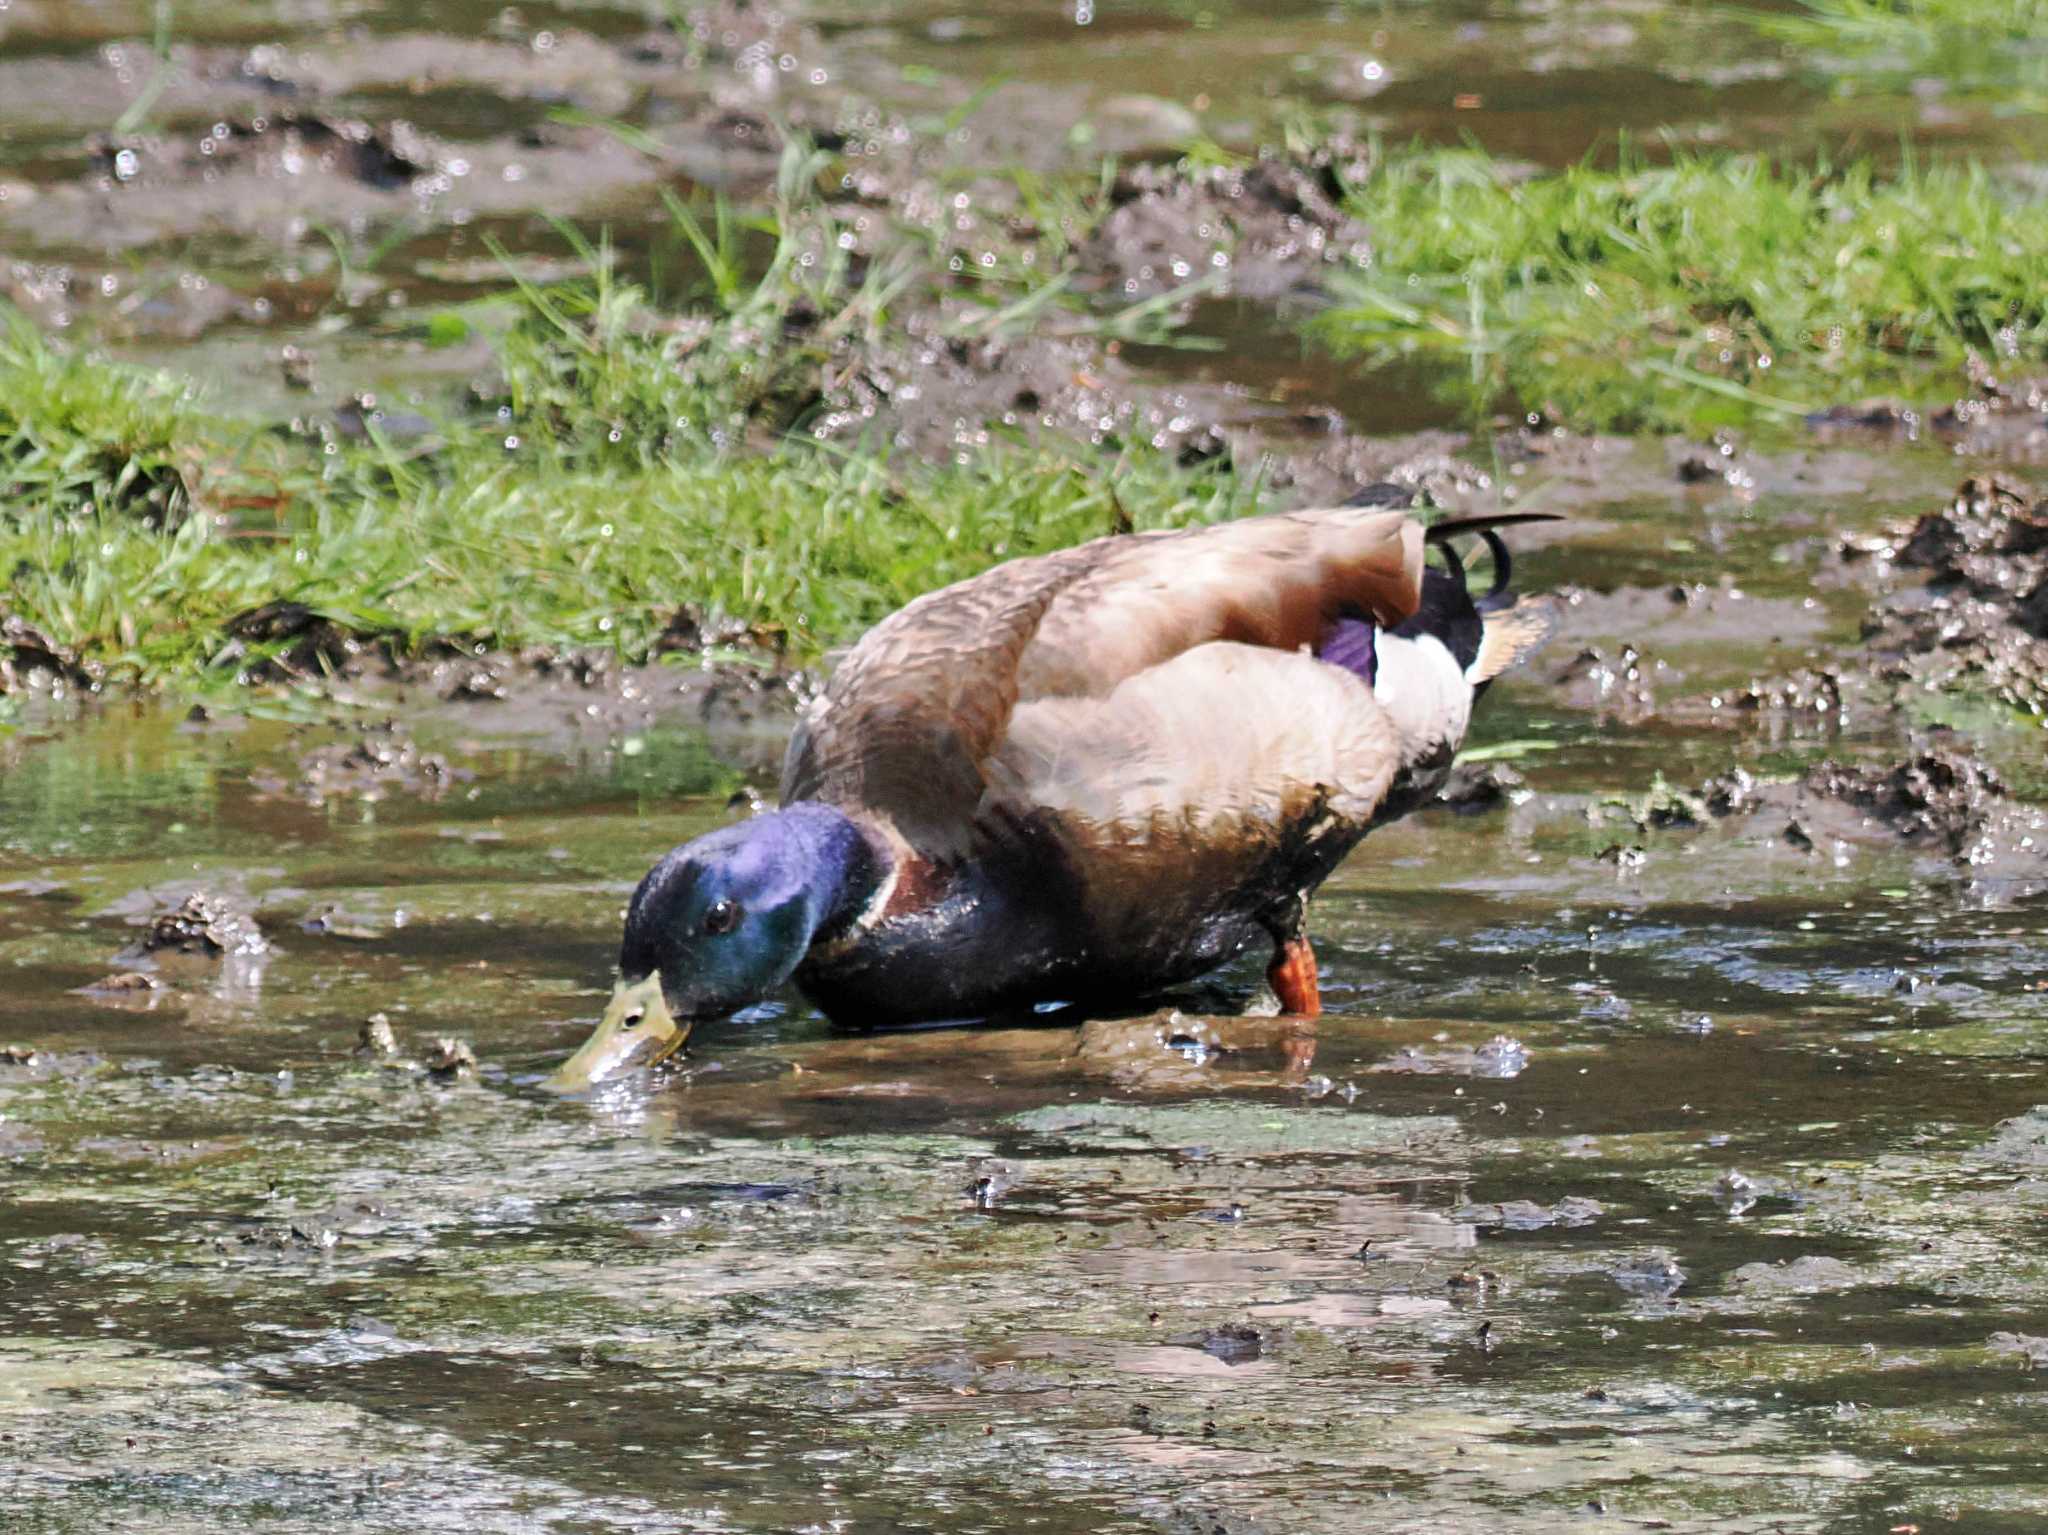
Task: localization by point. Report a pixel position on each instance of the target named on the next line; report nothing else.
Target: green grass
(79, 437)
(1980, 47)
(1713, 290)
(564, 537)
(638, 458)
(632, 461)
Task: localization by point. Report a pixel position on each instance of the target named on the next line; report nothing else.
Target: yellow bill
(637, 1030)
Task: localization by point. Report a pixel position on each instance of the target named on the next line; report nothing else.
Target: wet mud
(1978, 625)
(291, 198)
(1266, 229)
(1600, 1183)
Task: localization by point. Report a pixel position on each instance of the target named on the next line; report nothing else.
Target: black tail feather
(1441, 534)
(1503, 569)
(1449, 611)
(1451, 527)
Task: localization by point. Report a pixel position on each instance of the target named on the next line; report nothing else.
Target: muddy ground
(1686, 1190)
(1667, 1158)
(1671, 1157)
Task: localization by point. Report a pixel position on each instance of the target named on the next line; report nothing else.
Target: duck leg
(1292, 974)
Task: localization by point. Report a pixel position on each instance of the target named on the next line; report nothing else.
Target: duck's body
(1090, 775)
(1065, 896)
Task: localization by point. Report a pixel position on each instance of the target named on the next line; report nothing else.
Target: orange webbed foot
(1292, 975)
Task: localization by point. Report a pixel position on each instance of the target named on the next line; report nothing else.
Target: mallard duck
(1082, 777)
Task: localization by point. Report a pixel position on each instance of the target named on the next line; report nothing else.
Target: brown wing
(914, 714)
(1268, 581)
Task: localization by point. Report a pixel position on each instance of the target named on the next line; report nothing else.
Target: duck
(1084, 778)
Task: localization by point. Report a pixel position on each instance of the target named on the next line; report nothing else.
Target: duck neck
(847, 869)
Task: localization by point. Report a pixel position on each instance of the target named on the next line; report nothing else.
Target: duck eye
(723, 917)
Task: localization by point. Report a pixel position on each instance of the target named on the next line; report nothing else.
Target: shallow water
(1695, 1195)
(1417, 1266)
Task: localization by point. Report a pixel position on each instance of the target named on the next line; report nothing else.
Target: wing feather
(912, 719)
(1270, 581)
(913, 712)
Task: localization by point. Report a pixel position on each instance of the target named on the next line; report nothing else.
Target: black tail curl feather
(1441, 534)
(1448, 610)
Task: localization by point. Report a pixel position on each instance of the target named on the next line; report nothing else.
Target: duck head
(719, 924)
